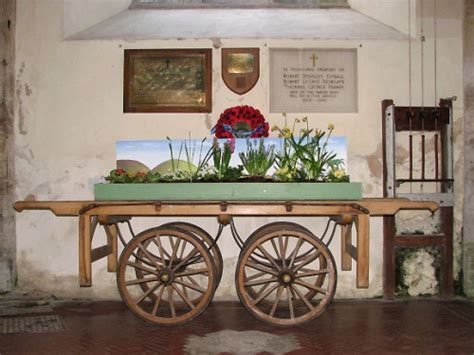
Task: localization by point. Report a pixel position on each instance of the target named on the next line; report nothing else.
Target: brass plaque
(240, 68)
(167, 80)
(240, 63)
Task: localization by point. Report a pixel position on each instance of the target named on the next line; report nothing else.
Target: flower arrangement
(258, 158)
(121, 176)
(304, 155)
(191, 172)
(223, 171)
(241, 122)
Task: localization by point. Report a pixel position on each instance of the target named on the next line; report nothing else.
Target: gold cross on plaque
(314, 58)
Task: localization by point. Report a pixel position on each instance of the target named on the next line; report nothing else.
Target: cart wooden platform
(168, 275)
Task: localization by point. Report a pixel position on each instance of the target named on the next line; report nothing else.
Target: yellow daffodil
(330, 126)
(339, 173)
(275, 128)
(286, 132)
(284, 172)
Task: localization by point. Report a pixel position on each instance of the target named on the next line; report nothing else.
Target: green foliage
(118, 176)
(257, 159)
(202, 161)
(191, 172)
(233, 173)
(153, 177)
(221, 157)
(305, 156)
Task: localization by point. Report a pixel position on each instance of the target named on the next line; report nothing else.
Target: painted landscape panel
(145, 155)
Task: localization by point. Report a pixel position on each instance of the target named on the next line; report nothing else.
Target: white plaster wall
(69, 115)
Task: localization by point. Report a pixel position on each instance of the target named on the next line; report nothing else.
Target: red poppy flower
(241, 122)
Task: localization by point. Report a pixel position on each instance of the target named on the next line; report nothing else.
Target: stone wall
(468, 250)
(7, 80)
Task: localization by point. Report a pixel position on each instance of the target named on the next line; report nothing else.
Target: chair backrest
(418, 152)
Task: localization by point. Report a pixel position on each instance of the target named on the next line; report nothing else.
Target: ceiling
(339, 22)
(163, 4)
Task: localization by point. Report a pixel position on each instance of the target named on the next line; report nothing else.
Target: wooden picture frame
(240, 68)
(167, 80)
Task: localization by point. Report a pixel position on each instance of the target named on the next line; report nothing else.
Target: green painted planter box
(242, 191)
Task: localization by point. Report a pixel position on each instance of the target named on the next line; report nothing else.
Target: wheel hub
(286, 277)
(166, 276)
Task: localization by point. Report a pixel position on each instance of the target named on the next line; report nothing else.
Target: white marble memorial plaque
(313, 80)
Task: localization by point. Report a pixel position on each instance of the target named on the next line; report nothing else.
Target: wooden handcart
(168, 275)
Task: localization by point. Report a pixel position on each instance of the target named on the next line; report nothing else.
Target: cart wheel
(281, 225)
(208, 240)
(285, 228)
(196, 231)
(178, 272)
(286, 277)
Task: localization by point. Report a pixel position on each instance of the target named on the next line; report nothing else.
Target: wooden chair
(401, 126)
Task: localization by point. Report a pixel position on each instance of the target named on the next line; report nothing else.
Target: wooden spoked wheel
(196, 231)
(178, 271)
(208, 240)
(280, 225)
(285, 229)
(282, 287)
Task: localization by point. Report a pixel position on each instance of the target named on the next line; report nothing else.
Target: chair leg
(446, 272)
(389, 257)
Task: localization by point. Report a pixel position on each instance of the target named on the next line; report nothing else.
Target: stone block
(469, 269)
(6, 279)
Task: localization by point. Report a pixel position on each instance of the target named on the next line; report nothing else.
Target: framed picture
(240, 68)
(167, 80)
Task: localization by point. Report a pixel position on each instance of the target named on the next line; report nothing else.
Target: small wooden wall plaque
(240, 68)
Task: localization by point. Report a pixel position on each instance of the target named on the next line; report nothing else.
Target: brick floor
(412, 327)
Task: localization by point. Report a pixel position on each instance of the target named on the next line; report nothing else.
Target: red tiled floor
(415, 326)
